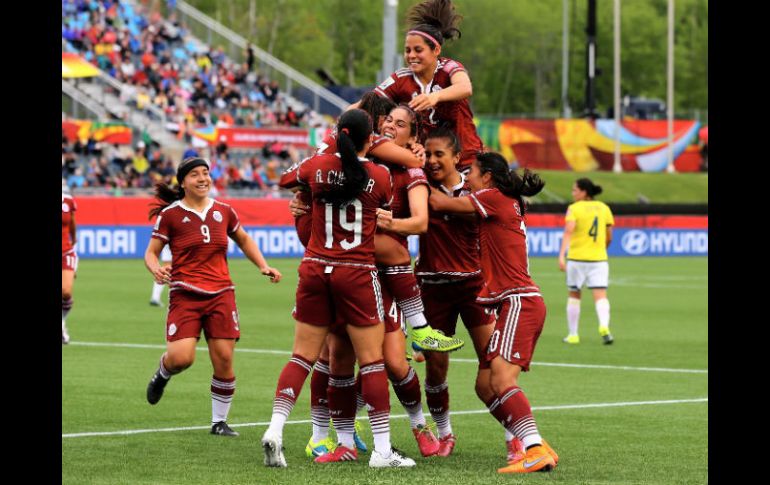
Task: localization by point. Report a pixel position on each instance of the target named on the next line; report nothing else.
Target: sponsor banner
(132, 211)
(282, 241)
(253, 137)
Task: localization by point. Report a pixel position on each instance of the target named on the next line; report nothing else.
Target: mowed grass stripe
(457, 359)
(395, 416)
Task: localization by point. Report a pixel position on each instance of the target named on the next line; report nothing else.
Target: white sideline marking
(392, 416)
(454, 359)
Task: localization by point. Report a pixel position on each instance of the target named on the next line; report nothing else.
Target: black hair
(448, 134)
(168, 194)
(586, 185)
(353, 130)
(436, 18)
(508, 181)
(376, 106)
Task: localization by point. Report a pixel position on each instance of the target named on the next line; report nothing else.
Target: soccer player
(436, 87)
(509, 292)
(157, 288)
(587, 234)
(201, 294)
(69, 259)
(449, 270)
(338, 288)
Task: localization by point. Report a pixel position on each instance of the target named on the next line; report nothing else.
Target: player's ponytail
(587, 186)
(508, 181)
(434, 20)
(165, 195)
(353, 130)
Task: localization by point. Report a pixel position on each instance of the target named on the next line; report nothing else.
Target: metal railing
(79, 98)
(204, 28)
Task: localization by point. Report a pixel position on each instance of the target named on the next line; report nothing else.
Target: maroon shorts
(520, 320)
(69, 261)
(189, 312)
(444, 302)
(335, 296)
(394, 317)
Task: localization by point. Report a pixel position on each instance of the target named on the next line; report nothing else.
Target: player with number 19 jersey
(198, 242)
(344, 234)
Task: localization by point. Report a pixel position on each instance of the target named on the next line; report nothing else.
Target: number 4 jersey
(198, 242)
(343, 235)
(589, 239)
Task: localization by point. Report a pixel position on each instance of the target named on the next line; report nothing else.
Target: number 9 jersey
(343, 234)
(589, 239)
(198, 242)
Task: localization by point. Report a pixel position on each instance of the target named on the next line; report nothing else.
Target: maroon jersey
(403, 85)
(450, 248)
(503, 236)
(404, 180)
(342, 235)
(303, 223)
(198, 242)
(68, 208)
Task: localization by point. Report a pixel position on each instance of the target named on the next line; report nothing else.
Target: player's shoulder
(449, 66)
(403, 72)
(172, 207)
(220, 204)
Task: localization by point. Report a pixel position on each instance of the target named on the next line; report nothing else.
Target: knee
(501, 383)
(484, 390)
(66, 293)
(397, 369)
(436, 370)
(179, 362)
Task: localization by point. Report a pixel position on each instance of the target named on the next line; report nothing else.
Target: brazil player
(583, 255)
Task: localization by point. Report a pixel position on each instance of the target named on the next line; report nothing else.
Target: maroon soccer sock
(342, 407)
(66, 306)
(359, 394)
(513, 411)
(222, 391)
(437, 397)
(402, 284)
(408, 392)
(290, 384)
(374, 383)
(319, 409)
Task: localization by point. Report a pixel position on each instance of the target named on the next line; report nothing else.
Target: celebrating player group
(407, 160)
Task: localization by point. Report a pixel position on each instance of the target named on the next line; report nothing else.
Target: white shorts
(165, 255)
(593, 274)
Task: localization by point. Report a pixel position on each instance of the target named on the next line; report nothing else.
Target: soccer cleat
(360, 444)
(551, 452)
(571, 339)
(272, 446)
(446, 445)
(606, 335)
(535, 459)
(156, 303)
(396, 459)
(427, 338)
(426, 441)
(340, 453)
(320, 448)
(221, 428)
(515, 450)
(155, 387)
(65, 337)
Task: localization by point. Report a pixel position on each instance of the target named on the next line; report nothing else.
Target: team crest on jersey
(217, 216)
(172, 329)
(65, 208)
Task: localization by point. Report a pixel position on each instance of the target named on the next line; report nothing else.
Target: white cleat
(273, 448)
(65, 337)
(395, 460)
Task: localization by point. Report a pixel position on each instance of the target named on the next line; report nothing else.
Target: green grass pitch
(638, 416)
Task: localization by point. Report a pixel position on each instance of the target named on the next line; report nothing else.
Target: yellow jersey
(589, 239)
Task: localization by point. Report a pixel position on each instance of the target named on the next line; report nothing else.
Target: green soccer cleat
(571, 339)
(606, 335)
(320, 448)
(360, 444)
(426, 338)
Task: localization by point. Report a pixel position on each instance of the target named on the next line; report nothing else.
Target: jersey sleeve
(383, 178)
(162, 230)
(610, 219)
(452, 66)
(416, 177)
(377, 140)
(483, 202)
(73, 205)
(233, 222)
(387, 88)
(290, 178)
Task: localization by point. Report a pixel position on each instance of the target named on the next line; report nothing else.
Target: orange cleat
(340, 453)
(515, 450)
(535, 459)
(447, 445)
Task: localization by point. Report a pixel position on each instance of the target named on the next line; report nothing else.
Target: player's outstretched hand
(162, 275)
(419, 151)
(274, 274)
(424, 101)
(296, 207)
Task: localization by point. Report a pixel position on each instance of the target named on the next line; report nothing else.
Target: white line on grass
(392, 416)
(454, 359)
